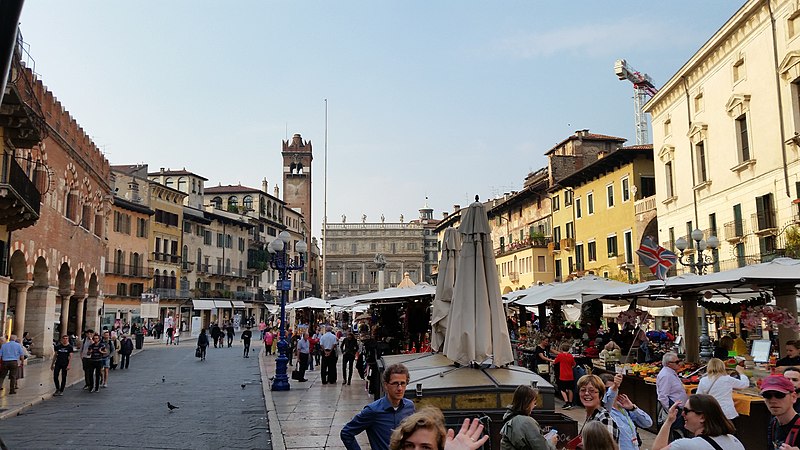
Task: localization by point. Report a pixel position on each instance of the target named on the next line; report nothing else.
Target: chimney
(277, 191)
(601, 154)
(264, 185)
(445, 214)
(582, 133)
(456, 208)
(162, 169)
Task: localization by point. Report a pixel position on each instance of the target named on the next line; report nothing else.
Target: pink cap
(777, 383)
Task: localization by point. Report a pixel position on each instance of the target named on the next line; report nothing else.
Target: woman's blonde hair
(715, 368)
(595, 436)
(429, 418)
(592, 380)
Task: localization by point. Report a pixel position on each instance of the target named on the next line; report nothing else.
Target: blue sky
(443, 99)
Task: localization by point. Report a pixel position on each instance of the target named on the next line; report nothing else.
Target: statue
(344, 218)
(363, 218)
(401, 218)
(383, 219)
(380, 260)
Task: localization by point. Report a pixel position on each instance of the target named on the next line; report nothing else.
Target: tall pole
(325, 204)
(280, 262)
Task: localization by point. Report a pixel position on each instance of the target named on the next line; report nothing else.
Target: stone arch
(80, 283)
(40, 273)
(93, 284)
(506, 290)
(64, 279)
(18, 266)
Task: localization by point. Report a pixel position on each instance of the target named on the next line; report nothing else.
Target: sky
(427, 102)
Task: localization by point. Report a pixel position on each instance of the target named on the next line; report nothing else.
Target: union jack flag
(656, 257)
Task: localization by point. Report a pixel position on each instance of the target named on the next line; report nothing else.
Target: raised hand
(468, 438)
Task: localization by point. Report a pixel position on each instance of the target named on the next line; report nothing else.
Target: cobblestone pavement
(215, 411)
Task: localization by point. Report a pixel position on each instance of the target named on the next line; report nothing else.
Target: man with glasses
(784, 427)
(670, 390)
(793, 374)
(380, 417)
(61, 363)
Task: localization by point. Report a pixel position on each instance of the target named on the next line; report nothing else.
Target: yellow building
(610, 198)
(521, 230)
(166, 241)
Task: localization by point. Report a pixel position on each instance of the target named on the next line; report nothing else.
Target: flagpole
(325, 204)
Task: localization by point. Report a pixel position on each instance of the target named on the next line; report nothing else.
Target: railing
(209, 269)
(734, 230)
(172, 293)
(567, 243)
(554, 247)
(187, 266)
(764, 223)
(166, 257)
(114, 268)
(522, 245)
(513, 276)
(372, 226)
(16, 178)
(645, 205)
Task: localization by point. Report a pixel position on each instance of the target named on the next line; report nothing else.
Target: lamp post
(698, 266)
(281, 262)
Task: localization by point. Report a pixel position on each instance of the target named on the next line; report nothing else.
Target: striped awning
(202, 304)
(238, 304)
(222, 303)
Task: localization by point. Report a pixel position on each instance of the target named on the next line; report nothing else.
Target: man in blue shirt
(379, 418)
(303, 348)
(625, 414)
(11, 354)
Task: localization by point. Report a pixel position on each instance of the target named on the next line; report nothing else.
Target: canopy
(569, 291)
(238, 304)
(200, 304)
(779, 271)
(396, 294)
(222, 304)
(476, 329)
(310, 302)
(445, 282)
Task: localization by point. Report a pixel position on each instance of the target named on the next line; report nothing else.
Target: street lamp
(698, 266)
(281, 262)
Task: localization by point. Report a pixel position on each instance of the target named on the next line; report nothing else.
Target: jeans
(96, 373)
(124, 361)
(62, 370)
(347, 362)
(247, 348)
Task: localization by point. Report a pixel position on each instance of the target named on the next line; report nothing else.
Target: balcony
(214, 271)
(166, 258)
(166, 293)
(187, 266)
(645, 205)
(513, 276)
(567, 243)
(19, 197)
(529, 242)
(735, 231)
(764, 223)
(126, 270)
(554, 248)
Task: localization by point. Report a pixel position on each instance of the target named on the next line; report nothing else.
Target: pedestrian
(566, 377)
(125, 351)
(110, 350)
(520, 431)
(784, 427)
(202, 342)
(115, 356)
(262, 327)
(349, 349)
(268, 338)
(706, 422)
(312, 344)
(793, 375)
(595, 436)
(792, 357)
(382, 416)
(626, 415)
(669, 388)
(246, 336)
(541, 357)
(718, 384)
(61, 364)
(215, 333)
(302, 354)
(11, 355)
(97, 352)
(591, 391)
(328, 342)
(86, 359)
(231, 334)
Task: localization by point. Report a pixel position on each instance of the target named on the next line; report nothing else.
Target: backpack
(791, 438)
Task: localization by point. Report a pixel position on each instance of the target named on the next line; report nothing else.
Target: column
(22, 288)
(785, 298)
(65, 297)
(690, 329)
(41, 306)
(93, 306)
(79, 320)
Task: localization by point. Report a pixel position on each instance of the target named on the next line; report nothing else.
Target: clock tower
(297, 178)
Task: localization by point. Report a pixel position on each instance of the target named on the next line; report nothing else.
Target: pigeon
(163, 379)
(243, 385)
(171, 406)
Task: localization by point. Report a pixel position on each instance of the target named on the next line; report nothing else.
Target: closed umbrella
(445, 281)
(476, 328)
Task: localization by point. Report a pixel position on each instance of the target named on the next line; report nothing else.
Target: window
(558, 270)
(354, 248)
(187, 227)
(241, 244)
(611, 245)
(541, 265)
(672, 239)
(207, 237)
(742, 139)
(668, 126)
(578, 211)
(166, 218)
(648, 186)
(570, 230)
(765, 212)
(556, 235)
(182, 184)
(738, 70)
(228, 241)
(689, 229)
(610, 195)
(122, 289)
(590, 203)
(334, 276)
(217, 202)
(233, 203)
(626, 190)
(141, 227)
(373, 246)
(247, 201)
(793, 24)
(668, 179)
(700, 161)
(220, 240)
(628, 247)
(568, 195)
(555, 200)
(698, 103)
(591, 248)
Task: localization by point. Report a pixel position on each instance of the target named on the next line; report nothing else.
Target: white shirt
(726, 441)
(722, 388)
(328, 341)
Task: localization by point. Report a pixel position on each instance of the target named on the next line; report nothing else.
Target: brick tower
(297, 159)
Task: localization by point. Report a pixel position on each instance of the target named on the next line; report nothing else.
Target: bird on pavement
(171, 406)
(163, 379)
(243, 385)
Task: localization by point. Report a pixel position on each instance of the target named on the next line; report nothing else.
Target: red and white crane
(643, 89)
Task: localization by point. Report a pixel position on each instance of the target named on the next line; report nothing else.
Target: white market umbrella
(476, 329)
(569, 291)
(445, 282)
(310, 302)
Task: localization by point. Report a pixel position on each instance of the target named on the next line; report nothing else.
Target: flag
(656, 257)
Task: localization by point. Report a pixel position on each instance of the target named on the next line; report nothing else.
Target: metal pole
(325, 205)
(281, 381)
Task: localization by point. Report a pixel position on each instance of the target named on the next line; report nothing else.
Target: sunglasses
(769, 395)
(684, 410)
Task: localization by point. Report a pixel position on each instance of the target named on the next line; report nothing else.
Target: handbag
(197, 352)
(296, 371)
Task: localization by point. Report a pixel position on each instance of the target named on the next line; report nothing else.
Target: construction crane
(642, 90)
